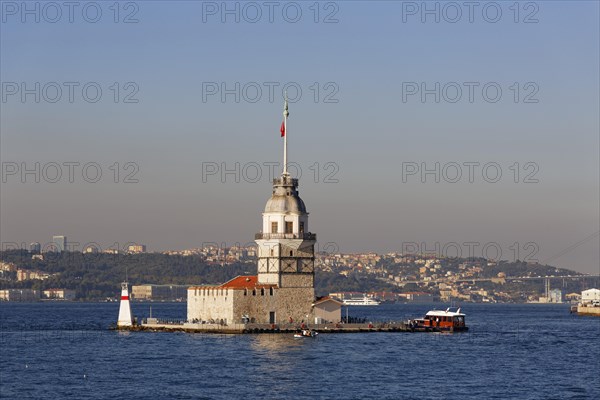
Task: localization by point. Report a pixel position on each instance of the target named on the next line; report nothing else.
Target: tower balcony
(303, 236)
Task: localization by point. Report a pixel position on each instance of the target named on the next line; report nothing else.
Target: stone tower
(286, 248)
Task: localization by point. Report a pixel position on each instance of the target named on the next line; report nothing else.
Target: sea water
(64, 350)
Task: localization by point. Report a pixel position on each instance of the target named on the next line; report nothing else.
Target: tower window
(301, 227)
(291, 253)
(262, 292)
(253, 292)
(273, 227)
(289, 227)
(271, 291)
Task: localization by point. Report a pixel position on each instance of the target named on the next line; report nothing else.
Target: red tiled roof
(243, 282)
(239, 282)
(323, 299)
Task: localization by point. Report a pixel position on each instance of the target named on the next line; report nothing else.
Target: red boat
(441, 321)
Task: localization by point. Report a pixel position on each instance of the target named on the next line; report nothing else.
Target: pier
(253, 328)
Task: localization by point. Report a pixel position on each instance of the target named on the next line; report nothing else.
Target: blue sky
(370, 133)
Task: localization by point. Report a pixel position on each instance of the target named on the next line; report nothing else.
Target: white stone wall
(211, 303)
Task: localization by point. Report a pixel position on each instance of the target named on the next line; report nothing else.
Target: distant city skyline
(461, 136)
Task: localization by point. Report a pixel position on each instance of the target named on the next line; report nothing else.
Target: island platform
(152, 325)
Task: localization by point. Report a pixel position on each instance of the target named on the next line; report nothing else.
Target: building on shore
(417, 297)
(59, 294)
(573, 297)
(19, 295)
(283, 291)
(159, 292)
(588, 296)
(327, 309)
(555, 296)
(590, 303)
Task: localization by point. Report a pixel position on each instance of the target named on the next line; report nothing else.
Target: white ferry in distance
(364, 301)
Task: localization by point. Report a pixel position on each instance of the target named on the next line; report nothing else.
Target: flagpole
(285, 135)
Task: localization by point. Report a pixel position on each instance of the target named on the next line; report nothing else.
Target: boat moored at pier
(449, 320)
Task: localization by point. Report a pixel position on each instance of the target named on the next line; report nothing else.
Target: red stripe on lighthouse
(124, 297)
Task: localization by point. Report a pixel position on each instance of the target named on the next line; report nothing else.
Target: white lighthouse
(125, 317)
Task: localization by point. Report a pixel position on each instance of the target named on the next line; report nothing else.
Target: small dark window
(253, 292)
(301, 227)
(291, 253)
(273, 227)
(262, 292)
(289, 227)
(270, 291)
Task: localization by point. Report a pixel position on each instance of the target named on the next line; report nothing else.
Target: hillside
(98, 276)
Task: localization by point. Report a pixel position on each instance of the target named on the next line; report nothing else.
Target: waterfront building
(327, 309)
(283, 291)
(59, 294)
(573, 297)
(417, 297)
(587, 296)
(555, 296)
(158, 292)
(19, 295)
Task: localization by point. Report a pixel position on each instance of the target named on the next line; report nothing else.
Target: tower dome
(285, 198)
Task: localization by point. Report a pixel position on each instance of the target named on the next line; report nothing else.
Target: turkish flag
(282, 129)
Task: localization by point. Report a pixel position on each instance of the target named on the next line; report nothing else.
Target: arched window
(291, 253)
(271, 291)
(245, 292)
(262, 291)
(253, 292)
